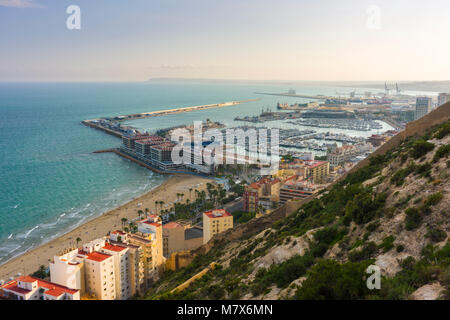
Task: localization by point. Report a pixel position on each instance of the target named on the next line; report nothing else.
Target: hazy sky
(134, 40)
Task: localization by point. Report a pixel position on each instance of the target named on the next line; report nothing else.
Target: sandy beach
(30, 261)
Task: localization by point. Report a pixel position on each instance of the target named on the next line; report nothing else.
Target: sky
(313, 40)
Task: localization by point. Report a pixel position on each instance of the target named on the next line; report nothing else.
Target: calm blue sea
(50, 181)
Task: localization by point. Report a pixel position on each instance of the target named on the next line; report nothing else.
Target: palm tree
(190, 193)
(146, 212)
(140, 212)
(156, 206)
(132, 226)
(124, 220)
(78, 240)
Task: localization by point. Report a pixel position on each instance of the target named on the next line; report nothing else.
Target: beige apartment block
(215, 222)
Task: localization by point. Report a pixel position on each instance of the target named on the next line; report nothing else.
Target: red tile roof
(156, 224)
(223, 213)
(12, 286)
(316, 164)
(114, 248)
(118, 232)
(164, 146)
(97, 256)
(54, 292)
(254, 185)
(53, 288)
(171, 225)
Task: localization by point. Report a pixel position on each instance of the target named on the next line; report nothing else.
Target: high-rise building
(423, 106)
(443, 98)
(100, 275)
(122, 269)
(136, 261)
(215, 222)
(100, 269)
(149, 238)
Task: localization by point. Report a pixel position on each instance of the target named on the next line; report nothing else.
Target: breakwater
(113, 129)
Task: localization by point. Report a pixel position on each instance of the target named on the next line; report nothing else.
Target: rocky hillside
(392, 212)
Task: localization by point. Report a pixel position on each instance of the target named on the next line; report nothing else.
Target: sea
(50, 179)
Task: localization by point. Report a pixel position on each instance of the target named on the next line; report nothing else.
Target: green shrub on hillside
(329, 280)
(365, 253)
(281, 274)
(442, 152)
(387, 244)
(365, 207)
(373, 226)
(414, 274)
(421, 148)
(436, 234)
(434, 199)
(399, 177)
(442, 131)
(413, 218)
(424, 170)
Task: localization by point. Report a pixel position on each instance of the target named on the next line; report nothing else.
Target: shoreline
(30, 261)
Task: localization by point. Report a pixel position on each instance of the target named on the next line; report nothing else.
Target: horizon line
(216, 79)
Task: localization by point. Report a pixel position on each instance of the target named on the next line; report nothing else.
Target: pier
(314, 97)
(115, 130)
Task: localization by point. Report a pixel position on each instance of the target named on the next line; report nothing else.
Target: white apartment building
(67, 270)
(31, 288)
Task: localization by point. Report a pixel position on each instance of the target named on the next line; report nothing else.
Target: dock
(314, 97)
(94, 123)
(178, 110)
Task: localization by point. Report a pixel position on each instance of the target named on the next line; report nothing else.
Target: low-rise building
(215, 222)
(262, 193)
(317, 171)
(173, 238)
(296, 188)
(340, 155)
(31, 288)
(178, 237)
